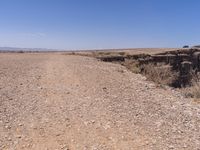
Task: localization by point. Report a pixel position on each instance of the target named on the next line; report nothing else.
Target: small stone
(110, 138)
(26, 140)
(86, 123)
(58, 134)
(19, 136)
(20, 124)
(147, 142)
(171, 147)
(64, 147)
(185, 146)
(7, 127)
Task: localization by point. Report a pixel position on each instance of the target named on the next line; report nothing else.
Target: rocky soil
(65, 102)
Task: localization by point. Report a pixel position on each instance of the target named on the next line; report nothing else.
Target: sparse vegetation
(20, 51)
(194, 90)
(104, 53)
(122, 53)
(159, 74)
(132, 65)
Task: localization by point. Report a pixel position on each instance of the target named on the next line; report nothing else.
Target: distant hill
(25, 49)
(196, 46)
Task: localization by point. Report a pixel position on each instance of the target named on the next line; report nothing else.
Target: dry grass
(159, 74)
(97, 54)
(132, 65)
(194, 90)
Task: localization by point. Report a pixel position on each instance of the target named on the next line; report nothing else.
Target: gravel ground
(55, 101)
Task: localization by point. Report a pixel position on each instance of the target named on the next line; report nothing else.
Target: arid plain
(52, 101)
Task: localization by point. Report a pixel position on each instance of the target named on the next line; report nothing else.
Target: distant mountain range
(26, 49)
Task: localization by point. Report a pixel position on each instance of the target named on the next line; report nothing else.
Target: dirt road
(55, 101)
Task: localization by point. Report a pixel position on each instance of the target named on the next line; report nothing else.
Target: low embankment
(177, 68)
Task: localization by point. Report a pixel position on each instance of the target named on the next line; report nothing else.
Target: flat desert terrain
(52, 101)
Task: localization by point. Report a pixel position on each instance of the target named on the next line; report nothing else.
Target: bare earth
(55, 101)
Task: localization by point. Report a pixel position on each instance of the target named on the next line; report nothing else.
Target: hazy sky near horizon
(89, 24)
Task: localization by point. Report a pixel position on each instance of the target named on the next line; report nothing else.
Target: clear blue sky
(88, 24)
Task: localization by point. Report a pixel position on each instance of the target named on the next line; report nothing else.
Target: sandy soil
(54, 101)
